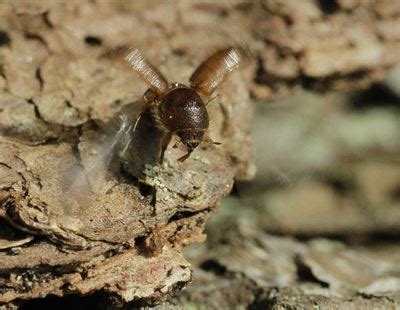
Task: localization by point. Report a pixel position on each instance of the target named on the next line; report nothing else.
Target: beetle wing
(81, 180)
(127, 122)
(147, 71)
(214, 69)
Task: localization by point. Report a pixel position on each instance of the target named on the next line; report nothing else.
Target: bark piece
(10, 239)
(242, 265)
(129, 276)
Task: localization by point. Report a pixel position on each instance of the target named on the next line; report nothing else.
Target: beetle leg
(184, 157)
(165, 141)
(207, 139)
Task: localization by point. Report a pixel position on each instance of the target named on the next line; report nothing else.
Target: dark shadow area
(340, 186)
(329, 6)
(144, 146)
(76, 302)
(93, 41)
(377, 96)
(4, 39)
(304, 274)
(213, 266)
(396, 193)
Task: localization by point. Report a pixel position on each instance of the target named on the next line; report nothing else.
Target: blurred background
(322, 215)
(328, 164)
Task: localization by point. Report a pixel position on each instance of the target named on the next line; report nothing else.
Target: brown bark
(58, 87)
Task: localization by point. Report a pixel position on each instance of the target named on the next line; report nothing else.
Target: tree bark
(69, 225)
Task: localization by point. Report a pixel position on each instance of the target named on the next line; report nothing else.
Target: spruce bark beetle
(179, 109)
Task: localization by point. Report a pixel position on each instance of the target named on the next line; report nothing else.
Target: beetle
(180, 109)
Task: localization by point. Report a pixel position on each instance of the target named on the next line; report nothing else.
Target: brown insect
(176, 109)
(179, 109)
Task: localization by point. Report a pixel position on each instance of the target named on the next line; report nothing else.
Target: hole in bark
(93, 41)
(329, 6)
(139, 241)
(214, 267)
(4, 38)
(377, 95)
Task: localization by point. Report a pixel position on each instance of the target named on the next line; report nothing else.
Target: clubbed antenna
(147, 72)
(214, 69)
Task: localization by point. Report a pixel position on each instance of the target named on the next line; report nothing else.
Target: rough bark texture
(59, 86)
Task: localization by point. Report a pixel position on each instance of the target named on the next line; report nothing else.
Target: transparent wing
(81, 181)
(127, 122)
(214, 69)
